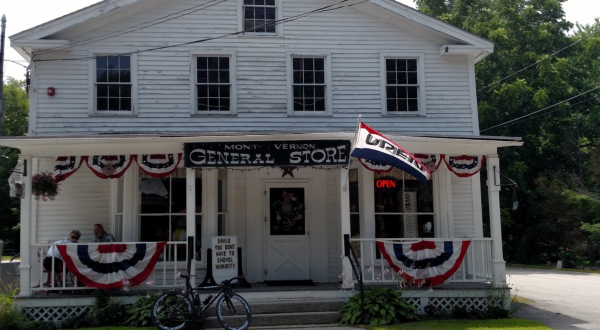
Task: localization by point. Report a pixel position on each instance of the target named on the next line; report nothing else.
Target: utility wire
(546, 108)
(110, 35)
(277, 22)
(555, 110)
(538, 62)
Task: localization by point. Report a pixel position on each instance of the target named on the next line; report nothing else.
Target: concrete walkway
(563, 300)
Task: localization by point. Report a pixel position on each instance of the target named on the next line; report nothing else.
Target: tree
(552, 169)
(15, 122)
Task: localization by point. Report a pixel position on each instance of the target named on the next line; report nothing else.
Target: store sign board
(271, 153)
(225, 259)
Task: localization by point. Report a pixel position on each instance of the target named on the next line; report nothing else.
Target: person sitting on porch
(100, 236)
(53, 252)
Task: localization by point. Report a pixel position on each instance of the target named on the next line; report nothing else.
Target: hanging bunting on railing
(67, 165)
(464, 166)
(374, 166)
(111, 266)
(109, 167)
(431, 162)
(424, 262)
(158, 165)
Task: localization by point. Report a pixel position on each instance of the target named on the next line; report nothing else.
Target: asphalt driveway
(563, 300)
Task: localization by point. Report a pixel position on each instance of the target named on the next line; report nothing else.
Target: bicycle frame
(225, 289)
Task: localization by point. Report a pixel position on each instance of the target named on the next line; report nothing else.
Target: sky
(25, 14)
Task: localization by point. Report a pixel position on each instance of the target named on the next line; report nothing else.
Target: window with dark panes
(402, 85)
(309, 83)
(113, 83)
(259, 16)
(213, 85)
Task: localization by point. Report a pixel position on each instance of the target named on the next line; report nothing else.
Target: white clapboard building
(248, 110)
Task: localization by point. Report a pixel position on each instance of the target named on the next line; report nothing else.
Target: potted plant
(44, 186)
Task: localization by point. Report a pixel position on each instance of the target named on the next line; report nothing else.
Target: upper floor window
(309, 83)
(213, 83)
(259, 16)
(404, 85)
(113, 83)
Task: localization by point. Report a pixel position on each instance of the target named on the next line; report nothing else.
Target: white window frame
(92, 82)
(290, 82)
(420, 57)
(278, 28)
(232, 80)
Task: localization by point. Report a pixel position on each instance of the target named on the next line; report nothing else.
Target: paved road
(563, 300)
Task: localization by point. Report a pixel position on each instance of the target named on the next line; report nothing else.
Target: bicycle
(174, 310)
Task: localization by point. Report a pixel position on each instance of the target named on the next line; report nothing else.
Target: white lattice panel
(54, 314)
(450, 303)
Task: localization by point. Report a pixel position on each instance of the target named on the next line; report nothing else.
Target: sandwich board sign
(225, 259)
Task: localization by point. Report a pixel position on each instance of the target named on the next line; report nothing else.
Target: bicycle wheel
(234, 313)
(171, 311)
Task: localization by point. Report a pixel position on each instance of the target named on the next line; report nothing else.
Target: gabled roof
(463, 42)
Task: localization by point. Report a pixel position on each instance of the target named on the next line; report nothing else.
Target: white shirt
(54, 251)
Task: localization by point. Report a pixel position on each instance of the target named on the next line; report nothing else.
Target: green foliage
(139, 312)
(558, 168)
(382, 306)
(39, 325)
(107, 312)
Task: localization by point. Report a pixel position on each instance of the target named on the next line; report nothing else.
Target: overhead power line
(138, 26)
(535, 112)
(538, 62)
(277, 22)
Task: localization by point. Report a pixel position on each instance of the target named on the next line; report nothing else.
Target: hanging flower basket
(44, 186)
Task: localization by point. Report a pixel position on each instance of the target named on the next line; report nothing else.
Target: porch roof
(110, 144)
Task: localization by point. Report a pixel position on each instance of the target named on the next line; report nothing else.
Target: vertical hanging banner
(66, 166)
(225, 261)
(372, 145)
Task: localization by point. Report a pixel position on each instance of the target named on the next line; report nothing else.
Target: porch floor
(262, 288)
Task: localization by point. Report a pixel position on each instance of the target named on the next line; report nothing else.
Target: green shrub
(569, 258)
(107, 312)
(11, 320)
(39, 325)
(382, 306)
(139, 313)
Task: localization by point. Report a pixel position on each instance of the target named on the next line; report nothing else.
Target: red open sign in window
(385, 183)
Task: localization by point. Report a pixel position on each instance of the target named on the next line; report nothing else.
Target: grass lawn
(505, 324)
(521, 300)
(554, 268)
(7, 258)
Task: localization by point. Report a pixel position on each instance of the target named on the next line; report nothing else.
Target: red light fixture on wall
(50, 91)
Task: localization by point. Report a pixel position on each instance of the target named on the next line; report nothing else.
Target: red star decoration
(288, 170)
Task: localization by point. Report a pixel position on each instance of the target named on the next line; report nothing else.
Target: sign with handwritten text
(225, 259)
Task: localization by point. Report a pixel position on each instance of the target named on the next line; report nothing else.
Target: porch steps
(288, 312)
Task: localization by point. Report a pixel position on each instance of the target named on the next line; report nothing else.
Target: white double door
(287, 241)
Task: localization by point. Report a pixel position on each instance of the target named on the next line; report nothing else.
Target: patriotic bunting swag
(107, 266)
(160, 165)
(109, 167)
(66, 166)
(431, 162)
(375, 166)
(464, 166)
(372, 145)
(424, 262)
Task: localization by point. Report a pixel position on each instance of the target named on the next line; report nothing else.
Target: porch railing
(476, 266)
(165, 274)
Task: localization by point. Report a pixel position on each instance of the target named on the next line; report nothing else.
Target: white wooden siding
(462, 207)
(354, 39)
(82, 201)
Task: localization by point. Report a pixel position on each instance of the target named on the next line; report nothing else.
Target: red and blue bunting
(66, 166)
(424, 262)
(158, 165)
(109, 266)
(109, 167)
(431, 162)
(464, 166)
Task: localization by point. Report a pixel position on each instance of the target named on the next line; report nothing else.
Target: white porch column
(345, 219)
(493, 182)
(366, 202)
(210, 211)
(25, 267)
(190, 205)
(130, 206)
